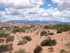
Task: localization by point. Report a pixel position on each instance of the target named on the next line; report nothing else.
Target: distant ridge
(36, 21)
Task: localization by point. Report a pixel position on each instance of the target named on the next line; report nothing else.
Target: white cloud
(64, 4)
(35, 14)
(29, 10)
(21, 3)
(49, 4)
(57, 1)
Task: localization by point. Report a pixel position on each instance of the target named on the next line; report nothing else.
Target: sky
(42, 10)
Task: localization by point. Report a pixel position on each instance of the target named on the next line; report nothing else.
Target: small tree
(38, 49)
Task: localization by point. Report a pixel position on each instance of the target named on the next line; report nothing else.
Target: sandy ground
(61, 39)
(36, 40)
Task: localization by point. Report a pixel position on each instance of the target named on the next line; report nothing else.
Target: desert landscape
(34, 26)
(34, 38)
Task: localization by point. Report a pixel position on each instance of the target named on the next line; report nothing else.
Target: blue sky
(48, 10)
(45, 5)
(2, 9)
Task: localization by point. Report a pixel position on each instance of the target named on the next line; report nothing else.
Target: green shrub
(20, 51)
(4, 48)
(10, 47)
(4, 34)
(47, 27)
(48, 42)
(1, 40)
(49, 38)
(62, 51)
(51, 33)
(43, 33)
(38, 49)
(26, 27)
(62, 27)
(14, 30)
(28, 38)
(58, 31)
(9, 38)
(21, 42)
(53, 42)
(51, 49)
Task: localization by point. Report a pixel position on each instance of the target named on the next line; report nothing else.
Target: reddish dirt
(61, 39)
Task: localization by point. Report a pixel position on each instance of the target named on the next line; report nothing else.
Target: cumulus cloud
(64, 4)
(35, 14)
(29, 10)
(20, 3)
(56, 1)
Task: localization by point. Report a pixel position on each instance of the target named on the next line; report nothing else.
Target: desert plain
(34, 31)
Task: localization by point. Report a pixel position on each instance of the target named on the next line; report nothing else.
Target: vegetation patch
(1, 40)
(9, 38)
(38, 49)
(51, 33)
(63, 51)
(51, 49)
(4, 48)
(17, 29)
(58, 31)
(43, 33)
(61, 27)
(4, 34)
(28, 38)
(48, 42)
(20, 51)
(21, 42)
